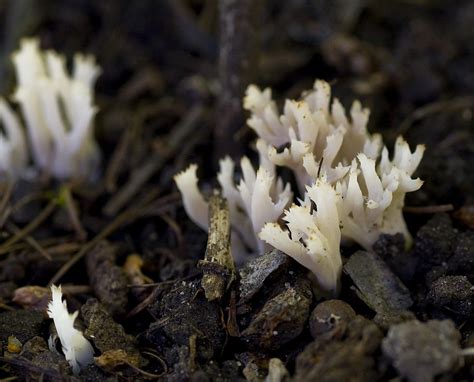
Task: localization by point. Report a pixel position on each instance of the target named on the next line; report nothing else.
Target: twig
(218, 264)
(238, 44)
(63, 248)
(19, 204)
(6, 197)
(42, 216)
(8, 379)
(155, 163)
(115, 163)
(146, 302)
(73, 214)
(126, 216)
(30, 240)
(434, 108)
(76, 289)
(428, 209)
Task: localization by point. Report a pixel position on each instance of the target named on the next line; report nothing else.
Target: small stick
(63, 248)
(116, 162)
(5, 214)
(35, 223)
(73, 213)
(123, 218)
(434, 108)
(7, 192)
(218, 264)
(30, 240)
(238, 45)
(428, 209)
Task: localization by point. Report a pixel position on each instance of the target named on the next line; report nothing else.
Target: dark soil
(127, 255)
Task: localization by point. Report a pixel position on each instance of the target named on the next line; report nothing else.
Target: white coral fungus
(259, 198)
(318, 139)
(358, 190)
(58, 110)
(373, 198)
(77, 349)
(313, 236)
(318, 135)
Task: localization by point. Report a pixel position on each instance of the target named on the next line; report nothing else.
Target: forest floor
(127, 255)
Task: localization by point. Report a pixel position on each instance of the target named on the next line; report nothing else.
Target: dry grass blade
(435, 108)
(73, 213)
(35, 223)
(128, 216)
(30, 240)
(155, 163)
(428, 209)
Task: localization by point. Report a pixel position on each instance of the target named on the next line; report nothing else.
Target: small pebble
(376, 284)
(328, 315)
(254, 274)
(281, 319)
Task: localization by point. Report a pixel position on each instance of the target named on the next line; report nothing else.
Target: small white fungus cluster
(357, 190)
(58, 110)
(77, 349)
(259, 198)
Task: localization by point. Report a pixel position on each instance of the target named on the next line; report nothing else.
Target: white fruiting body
(194, 203)
(319, 134)
(358, 191)
(58, 110)
(322, 141)
(77, 349)
(259, 198)
(313, 237)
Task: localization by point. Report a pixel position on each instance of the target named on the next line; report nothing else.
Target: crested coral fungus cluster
(358, 191)
(58, 111)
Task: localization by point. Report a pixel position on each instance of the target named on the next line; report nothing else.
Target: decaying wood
(218, 264)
